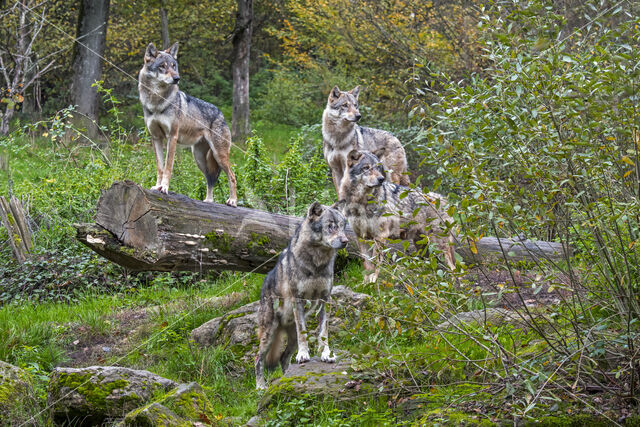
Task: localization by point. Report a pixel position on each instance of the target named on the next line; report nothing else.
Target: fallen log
(144, 230)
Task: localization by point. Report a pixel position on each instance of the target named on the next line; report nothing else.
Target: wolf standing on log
(341, 134)
(379, 210)
(178, 118)
(304, 272)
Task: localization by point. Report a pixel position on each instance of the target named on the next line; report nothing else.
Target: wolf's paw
(302, 356)
(326, 356)
(261, 385)
(208, 200)
(163, 188)
(371, 278)
(232, 202)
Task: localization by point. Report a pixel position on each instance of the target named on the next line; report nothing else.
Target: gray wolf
(378, 210)
(341, 134)
(180, 119)
(304, 271)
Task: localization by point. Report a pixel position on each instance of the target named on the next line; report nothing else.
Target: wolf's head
(343, 106)
(161, 65)
(326, 226)
(365, 169)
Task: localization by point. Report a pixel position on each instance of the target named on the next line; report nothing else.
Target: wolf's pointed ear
(150, 53)
(355, 91)
(338, 205)
(380, 152)
(315, 210)
(173, 50)
(353, 157)
(335, 93)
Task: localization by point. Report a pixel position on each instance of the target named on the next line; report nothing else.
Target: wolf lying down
(379, 210)
(304, 271)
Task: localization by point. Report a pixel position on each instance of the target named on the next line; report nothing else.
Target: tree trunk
(164, 27)
(91, 33)
(6, 119)
(143, 230)
(240, 127)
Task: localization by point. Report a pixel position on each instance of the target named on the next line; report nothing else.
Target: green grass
(276, 139)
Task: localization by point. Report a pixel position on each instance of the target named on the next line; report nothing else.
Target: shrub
(543, 146)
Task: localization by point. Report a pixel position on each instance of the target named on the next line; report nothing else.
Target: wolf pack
(370, 174)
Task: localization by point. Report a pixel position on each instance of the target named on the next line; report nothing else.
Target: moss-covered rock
(17, 401)
(184, 405)
(316, 378)
(154, 415)
(90, 395)
(236, 327)
(191, 402)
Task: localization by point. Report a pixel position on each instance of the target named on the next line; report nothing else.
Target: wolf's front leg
(159, 153)
(301, 329)
(369, 256)
(168, 162)
(323, 336)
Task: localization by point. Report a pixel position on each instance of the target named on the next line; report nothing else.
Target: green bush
(543, 145)
(289, 186)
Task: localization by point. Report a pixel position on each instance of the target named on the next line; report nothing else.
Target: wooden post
(15, 222)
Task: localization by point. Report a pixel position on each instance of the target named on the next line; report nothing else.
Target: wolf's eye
(366, 168)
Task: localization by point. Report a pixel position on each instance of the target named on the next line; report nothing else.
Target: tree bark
(240, 127)
(91, 34)
(144, 230)
(164, 26)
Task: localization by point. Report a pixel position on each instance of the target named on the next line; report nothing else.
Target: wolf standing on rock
(341, 134)
(178, 118)
(304, 272)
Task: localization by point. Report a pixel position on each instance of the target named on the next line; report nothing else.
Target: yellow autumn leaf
(472, 246)
(627, 173)
(409, 289)
(628, 161)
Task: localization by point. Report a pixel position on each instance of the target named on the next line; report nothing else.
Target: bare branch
(39, 74)
(4, 72)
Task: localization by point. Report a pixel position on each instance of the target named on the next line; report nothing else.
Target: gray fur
(304, 271)
(379, 210)
(180, 119)
(341, 134)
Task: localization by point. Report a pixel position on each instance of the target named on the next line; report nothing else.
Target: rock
(17, 400)
(238, 327)
(153, 415)
(91, 395)
(493, 316)
(185, 405)
(255, 421)
(191, 402)
(317, 378)
(343, 295)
